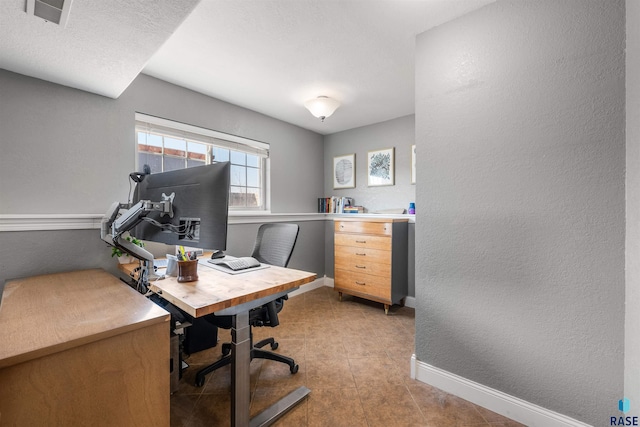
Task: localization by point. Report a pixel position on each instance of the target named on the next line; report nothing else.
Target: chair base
(256, 353)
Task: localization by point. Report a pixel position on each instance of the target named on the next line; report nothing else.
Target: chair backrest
(275, 242)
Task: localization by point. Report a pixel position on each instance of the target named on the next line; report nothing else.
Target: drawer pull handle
(361, 266)
(360, 283)
(361, 254)
(361, 241)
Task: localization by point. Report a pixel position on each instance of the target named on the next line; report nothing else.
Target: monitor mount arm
(115, 223)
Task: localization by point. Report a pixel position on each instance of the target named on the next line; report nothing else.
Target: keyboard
(238, 263)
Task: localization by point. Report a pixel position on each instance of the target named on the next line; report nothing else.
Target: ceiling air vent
(56, 11)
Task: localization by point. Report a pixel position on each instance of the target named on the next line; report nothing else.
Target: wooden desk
(226, 294)
(82, 348)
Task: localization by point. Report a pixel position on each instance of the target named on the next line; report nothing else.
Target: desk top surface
(215, 290)
(46, 314)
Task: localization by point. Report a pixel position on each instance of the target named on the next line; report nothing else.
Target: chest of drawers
(370, 259)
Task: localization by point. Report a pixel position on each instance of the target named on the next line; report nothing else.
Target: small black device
(217, 253)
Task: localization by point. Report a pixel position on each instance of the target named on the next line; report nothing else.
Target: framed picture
(344, 171)
(380, 167)
(413, 164)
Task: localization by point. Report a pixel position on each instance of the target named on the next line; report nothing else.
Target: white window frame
(173, 129)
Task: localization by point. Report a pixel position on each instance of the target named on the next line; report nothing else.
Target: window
(165, 145)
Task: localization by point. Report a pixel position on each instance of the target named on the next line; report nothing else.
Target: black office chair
(274, 245)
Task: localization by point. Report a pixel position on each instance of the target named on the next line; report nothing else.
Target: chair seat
(274, 245)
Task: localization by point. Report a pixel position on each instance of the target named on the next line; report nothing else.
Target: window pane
(191, 163)
(238, 175)
(196, 147)
(238, 158)
(175, 147)
(149, 139)
(220, 154)
(237, 197)
(253, 197)
(176, 144)
(173, 163)
(164, 153)
(153, 160)
(253, 177)
(253, 160)
(197, 151)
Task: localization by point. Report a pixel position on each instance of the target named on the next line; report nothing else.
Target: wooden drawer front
(363, 264)
(382, 228)
(357, 255)
(363, 240)
(363, 283)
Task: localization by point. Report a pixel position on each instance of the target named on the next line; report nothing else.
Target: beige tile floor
(353, 357)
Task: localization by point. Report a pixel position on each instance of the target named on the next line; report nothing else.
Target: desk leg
(240, 370)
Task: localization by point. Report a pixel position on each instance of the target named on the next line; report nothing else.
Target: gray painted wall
(632, 322)
(520, 232)
(68, 250)
(80, 147)
(70, 152)
(398, 133)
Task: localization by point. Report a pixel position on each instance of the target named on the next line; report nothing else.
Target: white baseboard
(410, 302)
(511, 407)
(310, 286)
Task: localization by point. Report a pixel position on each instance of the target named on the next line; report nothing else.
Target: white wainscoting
(34, 222)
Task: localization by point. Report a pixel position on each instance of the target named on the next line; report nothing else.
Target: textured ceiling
(102, 49)
(266, 55)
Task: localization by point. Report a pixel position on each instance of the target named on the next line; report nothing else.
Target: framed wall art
(344, 171)
(380, 167)
(413, 164)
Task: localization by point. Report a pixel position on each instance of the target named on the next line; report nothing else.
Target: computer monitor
(200, 201)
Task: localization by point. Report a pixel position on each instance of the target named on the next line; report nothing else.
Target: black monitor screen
(200, 206)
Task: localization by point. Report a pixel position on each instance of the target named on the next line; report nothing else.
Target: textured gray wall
(520, 235)
(68, 250)
(398, 133)
(296, 174)
(632, 323)
(68, 151)
(80, 147)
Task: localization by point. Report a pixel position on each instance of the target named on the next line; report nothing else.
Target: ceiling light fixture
(322, 106)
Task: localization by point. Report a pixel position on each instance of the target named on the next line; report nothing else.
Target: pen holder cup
(188, 271)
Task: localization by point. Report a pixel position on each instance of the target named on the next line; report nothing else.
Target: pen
(182, 256)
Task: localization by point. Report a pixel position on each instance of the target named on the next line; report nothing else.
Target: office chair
(274, 245)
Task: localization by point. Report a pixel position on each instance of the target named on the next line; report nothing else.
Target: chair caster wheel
(274, 345)
(225, 351)
(294, 368)
(199, 381)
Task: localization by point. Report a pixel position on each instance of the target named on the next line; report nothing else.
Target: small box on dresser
(370, 259)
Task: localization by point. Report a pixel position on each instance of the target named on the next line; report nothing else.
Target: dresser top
(372, 219)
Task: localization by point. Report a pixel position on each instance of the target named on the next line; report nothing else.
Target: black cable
(184, 230)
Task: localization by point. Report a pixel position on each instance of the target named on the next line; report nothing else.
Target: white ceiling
(266, 55)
